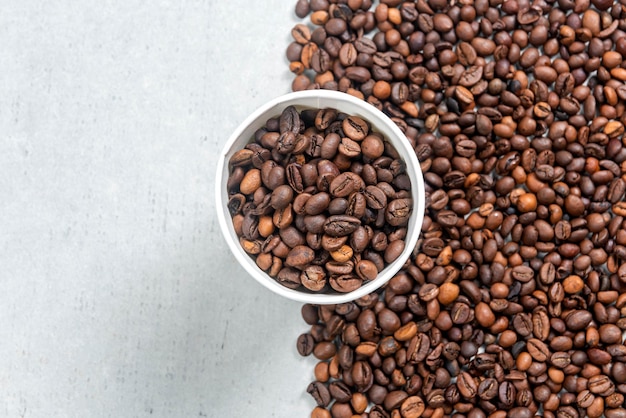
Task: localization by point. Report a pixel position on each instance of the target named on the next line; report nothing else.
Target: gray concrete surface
(118, 297)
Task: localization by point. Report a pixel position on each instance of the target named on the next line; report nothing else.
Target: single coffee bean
(305, 344)
(599, 384)
(366, 270)
(345, 184)
(466, 385)
(538, 349)
(398, 211)
(313, 278)
(300, 256)
(578, 320)
(320, 393)
(375, 197)
(341, 225)
(345, 283)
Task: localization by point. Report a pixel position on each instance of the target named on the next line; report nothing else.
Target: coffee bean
(366, 270)
(289, 120)
(355, 128)
(320, 393)
(507, 393)
(340, 391)
(300, 256)
(538, 349)
(345, 283)
(362, 376)
(541, 324)
(412, 407)
(398, 211)
(599, 384)
(578, 320)
(289, 277)
(466, 385)
(375, 197)
(345, 184)
(313, 278)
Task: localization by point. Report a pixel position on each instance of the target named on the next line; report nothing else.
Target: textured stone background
(118, 297)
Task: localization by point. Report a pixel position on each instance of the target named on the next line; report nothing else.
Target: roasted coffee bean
(362, 376)
(578, 320)
(341, 225)
(340, 391)
(289, 120)
(466, 385)
(305, 344)
(488, 389)
(320, 393)
(398, 211)
(599, 384)
(313, 278)
(345, 184)
(507, 393)
(375, 197)
(345, 283)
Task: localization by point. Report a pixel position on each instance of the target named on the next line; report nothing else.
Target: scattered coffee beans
(320, 200)
(515, 302)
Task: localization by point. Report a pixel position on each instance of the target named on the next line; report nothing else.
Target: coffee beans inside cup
(320, 199)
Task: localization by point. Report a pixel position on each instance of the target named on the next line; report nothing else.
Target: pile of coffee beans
(320, 200)
(514, 304)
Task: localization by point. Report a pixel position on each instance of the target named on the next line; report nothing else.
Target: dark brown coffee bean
(355, 128)
(599, 384)
(305, 344)
(362, 376)
(349, 148)
(317, 204)
(466, 385)
(398, 211)
(394, 250)
(358, 74)
(471, 76)
(341, 225)
(522, 273)
(313, 278)
(560, 359)
(281, 196)
(488, 389)
(290, 120)
(418, 348)
(507, 393)
(578, 320)
(300, 256)
(320, 393)
(412, 407)
(345, 283)
(345, 184)
(366, 270)
(460, 313)
(538, 349)
(541, 325)
(289, 277)
(375, 197)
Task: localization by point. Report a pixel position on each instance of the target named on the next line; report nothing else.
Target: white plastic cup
(320, 99)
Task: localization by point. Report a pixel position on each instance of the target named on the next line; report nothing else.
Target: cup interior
(244, 134)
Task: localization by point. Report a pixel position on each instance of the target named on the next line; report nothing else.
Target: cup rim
(318, 98)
